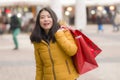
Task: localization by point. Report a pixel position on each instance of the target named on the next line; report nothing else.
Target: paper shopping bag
(84, 60)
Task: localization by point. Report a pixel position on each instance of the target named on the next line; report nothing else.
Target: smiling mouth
(46, 24)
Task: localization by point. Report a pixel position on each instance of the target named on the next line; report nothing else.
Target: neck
(46, 31)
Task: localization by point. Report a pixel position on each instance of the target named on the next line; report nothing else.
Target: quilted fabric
(53, 60)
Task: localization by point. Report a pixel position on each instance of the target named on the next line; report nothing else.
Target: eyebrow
(45, 15)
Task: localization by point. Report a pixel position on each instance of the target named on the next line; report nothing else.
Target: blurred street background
(98, 19)
(20, 64)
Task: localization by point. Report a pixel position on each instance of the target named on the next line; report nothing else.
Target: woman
(53, 48)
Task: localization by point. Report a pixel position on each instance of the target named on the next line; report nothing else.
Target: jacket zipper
(68, 67)
(52, 62)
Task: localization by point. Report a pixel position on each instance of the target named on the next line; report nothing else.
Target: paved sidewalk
(20, 65)
(16, 65)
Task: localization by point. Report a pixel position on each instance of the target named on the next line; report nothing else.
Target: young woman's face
(46, 20)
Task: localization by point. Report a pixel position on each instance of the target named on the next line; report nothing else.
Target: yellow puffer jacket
(53, 61)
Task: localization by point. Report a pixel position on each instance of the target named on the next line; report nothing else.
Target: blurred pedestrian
(53, 48)
(117, 21)
(99, 22)
(112, 20)
(15, 25)
(1, 24)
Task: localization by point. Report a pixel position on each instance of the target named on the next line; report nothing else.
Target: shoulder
(36, 45)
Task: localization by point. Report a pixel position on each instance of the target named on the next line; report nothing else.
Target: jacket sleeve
(66, 41)
(39, 64)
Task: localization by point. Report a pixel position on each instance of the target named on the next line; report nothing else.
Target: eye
(49, 16)
(42, 17)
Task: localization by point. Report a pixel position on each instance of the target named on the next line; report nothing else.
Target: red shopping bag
(93, 47)
(84, 59)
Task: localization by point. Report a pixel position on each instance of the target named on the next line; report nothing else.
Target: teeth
(46, 24)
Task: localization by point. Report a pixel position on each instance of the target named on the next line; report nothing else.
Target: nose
(46, 18)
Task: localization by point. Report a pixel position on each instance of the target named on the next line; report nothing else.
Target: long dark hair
(38, 33)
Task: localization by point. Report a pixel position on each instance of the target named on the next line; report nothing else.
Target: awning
(23, 2)
(64, 2)
(102, 2)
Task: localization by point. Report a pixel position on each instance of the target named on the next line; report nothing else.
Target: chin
(47, 28)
